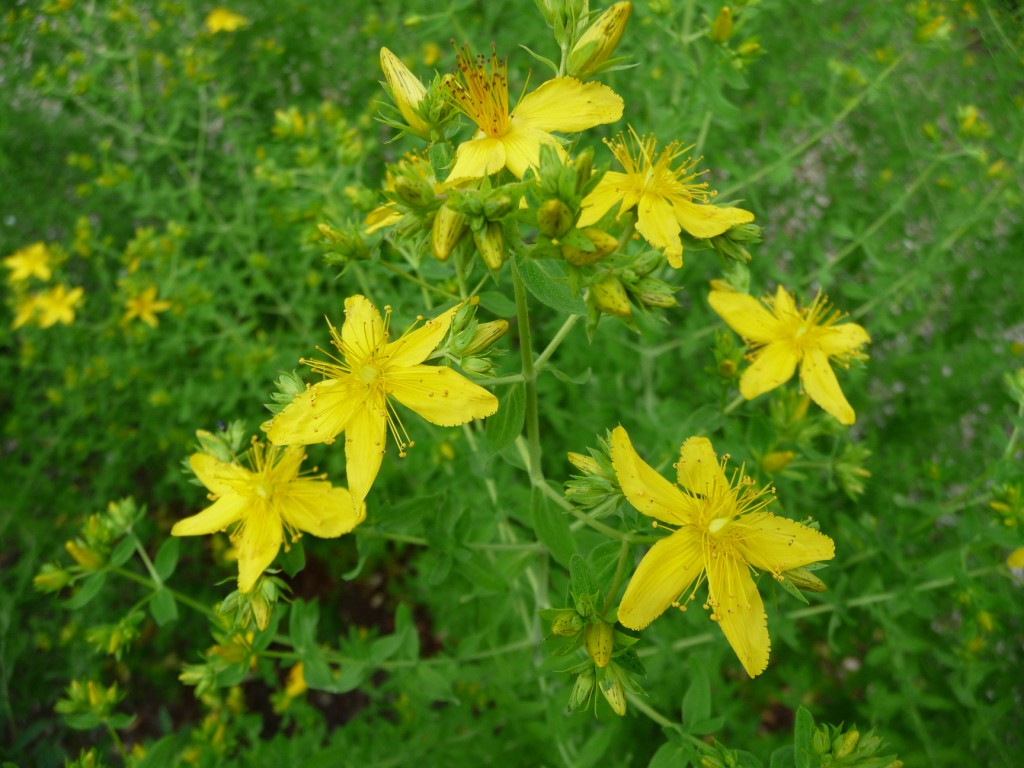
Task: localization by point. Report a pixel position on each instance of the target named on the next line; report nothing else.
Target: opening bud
(598, 639)
(490, 242)
(406, 91)
(614, 692)
(446, 231)
(599, 42)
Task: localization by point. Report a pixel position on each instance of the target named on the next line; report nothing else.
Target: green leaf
(552, 527)
(302, 627)
(782, 758)
(90, 587)
(83, 722)
(669, 755)
(433, 685)
(497, 303)
(167, 558)
(122, 552)
(547, 281)
(707, 725)
(803, 740)
(697, 699)
(163, 607)
(506, 425)
(293, 558)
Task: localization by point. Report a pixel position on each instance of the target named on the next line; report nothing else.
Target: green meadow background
(880, 146)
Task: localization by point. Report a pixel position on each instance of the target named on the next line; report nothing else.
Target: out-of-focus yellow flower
(30, 261)
(25, 310)
(1016, 558)
(224, 20)
(145, 306)
(57, 305)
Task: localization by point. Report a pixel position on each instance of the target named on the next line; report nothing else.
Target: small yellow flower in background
(1016, 558)
(266, 503)
(30, 261)
(296, 685)
(406, 90)
(666, 199)
(781, 336)
(25, 310)
(355, 395)
(145, 306)
(722, 532)
(57, 305)
(513, 139)
(223, 20)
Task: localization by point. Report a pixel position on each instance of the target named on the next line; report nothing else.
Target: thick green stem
(529, 381)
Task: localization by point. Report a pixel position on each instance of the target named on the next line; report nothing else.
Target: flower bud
(776, 461)
(567, 624)
(721, 30)
(598, 43)
(485, 336)
(652, 292)
(582, 690)
(584, 464)
(51, 579)
(610, 297)
(84, 556)
(603, 245)
(499, 205)
(598, 640)
(614, 693)
(820, 743)
(726, 368)
(406, 90)
(646, 263)
(446, 231)
(415, 192)
(554, 218)
(490, 242)
(849, 743)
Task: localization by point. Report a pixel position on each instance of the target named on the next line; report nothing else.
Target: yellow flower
(223, 20)
(145, 307)
(57, 305)
(1016, 558)
(513, 140)
(25, 310)
(722, 532)
(666, 199)
(783, 336)
(406, 90)
(30, 261)
(266, 503)
(355, 395)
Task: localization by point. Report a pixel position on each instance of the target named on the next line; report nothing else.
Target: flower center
(483, 94)
(369, 374)
(718, 526)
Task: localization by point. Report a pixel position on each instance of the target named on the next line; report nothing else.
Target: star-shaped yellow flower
(57, 305)
(266, 503)
(513, 140)
(30, 261)
(782, 336)
(356, 393)
(145, 306)
(722, 532)
(224, 20)
(666, 198)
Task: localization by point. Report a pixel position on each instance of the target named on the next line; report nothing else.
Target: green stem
(529, 380)
(559, 337)
(733, 405)
(146, 561)
(178, 596)
(422, 283)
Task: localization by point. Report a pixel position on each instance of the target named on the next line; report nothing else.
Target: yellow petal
(777, 544)
(380, 217)
(698, 469)
(708, 220)
(609, 191)
(440, 395)
(648, 491)
(257, 546)
(659, 227)
(819, 381)
(415, 346)
(773, 366)
(746, 315)
(565, 104)
(318, 414)
(522, 148)
(362, 333)
(667, 570)
(841, 340)
(738, 608)
(365, 438)
(316, 507)
(224, 512)
(784, 305)
(1016, 558)
(478, 157)
(218, 476)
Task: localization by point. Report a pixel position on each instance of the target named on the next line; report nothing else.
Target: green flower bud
(776, 461)
(567, 624)
(646, 263)
(804, 580)
(614, 693)
(414, 191)
(721, 30)
(582, 690)
(51, 579)
(848, 744)
(598, 43)
(603, 245)
(598, 640)
(490, 242)
(85, 557)
(485, 336)
(652, 292)
(820, 743)
(554, 218)
(610, 297)
(446, 231)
